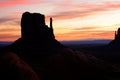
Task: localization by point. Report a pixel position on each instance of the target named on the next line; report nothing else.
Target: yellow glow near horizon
(108, 20)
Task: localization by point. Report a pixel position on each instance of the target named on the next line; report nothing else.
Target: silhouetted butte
(36, 37)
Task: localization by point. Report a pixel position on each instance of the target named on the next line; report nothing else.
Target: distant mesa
(116, 42)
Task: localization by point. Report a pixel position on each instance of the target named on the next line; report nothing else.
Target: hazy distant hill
(81, 43)
(4, 43)
(86, 42)
(72, 42)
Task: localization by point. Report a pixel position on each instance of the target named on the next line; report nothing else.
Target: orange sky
(72, 19)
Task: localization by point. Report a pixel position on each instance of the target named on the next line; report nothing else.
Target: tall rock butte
(36, 36)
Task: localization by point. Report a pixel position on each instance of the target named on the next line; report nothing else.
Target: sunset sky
(72, 19)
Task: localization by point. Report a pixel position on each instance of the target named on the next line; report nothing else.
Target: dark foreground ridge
(37, 55)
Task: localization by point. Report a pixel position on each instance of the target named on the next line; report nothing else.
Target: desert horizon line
(76, 40)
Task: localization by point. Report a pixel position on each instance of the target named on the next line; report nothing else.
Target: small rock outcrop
(116, 42)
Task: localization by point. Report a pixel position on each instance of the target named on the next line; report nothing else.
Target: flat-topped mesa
(33, 26)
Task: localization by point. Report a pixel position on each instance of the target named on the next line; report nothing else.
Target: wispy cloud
(2, 20)
(9, 29)
(78, 35)
(86, 28)
(8, 37)
(82, 9)
(13, 3)
(9, 20)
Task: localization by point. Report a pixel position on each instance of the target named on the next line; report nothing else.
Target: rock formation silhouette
(40, 31)
(50, 59)
(36, 37)
(116, 42)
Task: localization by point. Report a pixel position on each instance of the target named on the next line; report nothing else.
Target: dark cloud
(10, 21)
(86, 28)
(2, 20)
(9, 36)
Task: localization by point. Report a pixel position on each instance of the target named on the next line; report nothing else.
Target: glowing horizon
(72, 19)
